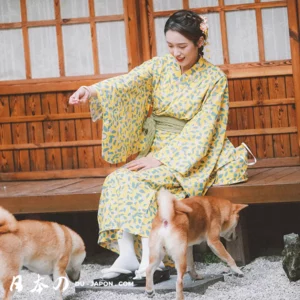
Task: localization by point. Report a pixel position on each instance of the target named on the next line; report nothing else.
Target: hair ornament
(204, 26)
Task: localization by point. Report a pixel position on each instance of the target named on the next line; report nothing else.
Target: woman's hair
(187, 23)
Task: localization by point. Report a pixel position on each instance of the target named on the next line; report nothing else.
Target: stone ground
(264, 280)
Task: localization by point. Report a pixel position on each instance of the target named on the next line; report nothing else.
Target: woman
(182, 146)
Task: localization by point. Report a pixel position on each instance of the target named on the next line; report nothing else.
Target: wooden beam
(83, 143)
(25, 39)
(257, 194)
(87, 115)
(150, 13)
(70, 83)
(276, 162)
(51, 203)
(59, 36)
(185, 4)
(132, 34)
(234, 7)
(295, 51)
(259, 103)
(84, 20)
(250, 72)
(224, 34)
(94, 38)
(46, 117)
(260, 131)
(144, 20)
(57, 174)
(260, 33)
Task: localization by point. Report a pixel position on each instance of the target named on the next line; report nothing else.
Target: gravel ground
(264, 280)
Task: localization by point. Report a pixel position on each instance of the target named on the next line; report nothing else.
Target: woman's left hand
(143, 163)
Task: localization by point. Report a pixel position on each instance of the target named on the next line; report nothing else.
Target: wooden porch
(265, 185)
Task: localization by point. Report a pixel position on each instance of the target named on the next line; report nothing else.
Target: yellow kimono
(191, 160)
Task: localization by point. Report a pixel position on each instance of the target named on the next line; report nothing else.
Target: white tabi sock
(127, 259)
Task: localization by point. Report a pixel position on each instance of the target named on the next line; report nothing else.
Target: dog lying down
(46, 248)
(179, 225)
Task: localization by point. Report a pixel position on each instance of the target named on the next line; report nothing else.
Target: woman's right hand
(81, 95)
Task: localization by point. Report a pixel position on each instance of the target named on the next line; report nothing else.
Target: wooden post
(295, 52)
(239, 249)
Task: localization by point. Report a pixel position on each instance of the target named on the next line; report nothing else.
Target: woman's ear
(200, 42)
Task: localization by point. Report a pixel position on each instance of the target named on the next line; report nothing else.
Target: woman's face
(183, 49)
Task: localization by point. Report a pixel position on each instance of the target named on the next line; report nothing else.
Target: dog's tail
(168, 204)
(8, 222)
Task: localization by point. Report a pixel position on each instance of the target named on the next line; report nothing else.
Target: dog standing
(179, 225)
(46, 248)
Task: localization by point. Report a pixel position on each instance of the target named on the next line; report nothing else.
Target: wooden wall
(41, 132)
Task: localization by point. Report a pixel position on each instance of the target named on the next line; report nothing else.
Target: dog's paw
(195, 276)
(150, 294)
(237, 271)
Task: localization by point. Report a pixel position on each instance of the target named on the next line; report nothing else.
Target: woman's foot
(123, 263)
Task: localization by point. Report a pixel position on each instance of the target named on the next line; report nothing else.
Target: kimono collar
(197, 67)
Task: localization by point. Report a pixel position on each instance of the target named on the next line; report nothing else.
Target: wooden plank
(51, 132)
(151, 24)
(245, 118)
(292, 116)
(19, 134)
(279, 117)
(59, 183)
(94, 38)
(6, 157)
(84, 132)
(249, 72)
(132, 34)
(232, 119)
(59, 38)
(71, 83)
(82, 186)
(271, 193)
(224, 33)
(262, 102)
(35, 132)
(67, 132)
(185, 4)
(83, 20)
(46, 117)
(287, 179)
(143, 9)
(250, 132)
(25, 38)
(262, 117)
(260, 33)
(295, 52)
(57, 174)
(276, 162)
(51, 203)
(83, 143)
(233, 7)
(97, 135)
(271, 175)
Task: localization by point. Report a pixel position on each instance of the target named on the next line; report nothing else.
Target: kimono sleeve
(203, 135)
(136, 85)
(122, 103)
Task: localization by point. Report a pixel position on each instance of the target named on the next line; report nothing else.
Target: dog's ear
(239, 207)
(179, 206)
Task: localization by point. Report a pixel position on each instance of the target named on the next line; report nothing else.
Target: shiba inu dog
(46, 248)
(179, 225)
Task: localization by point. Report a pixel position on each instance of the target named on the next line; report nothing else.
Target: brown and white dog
(179, 225)
(46, 248)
